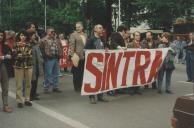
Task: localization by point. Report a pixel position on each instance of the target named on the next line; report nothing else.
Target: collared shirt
(52, 48)
(137, 44)
(83, 37)
(22, 54)
(99, 44)
(150, 44)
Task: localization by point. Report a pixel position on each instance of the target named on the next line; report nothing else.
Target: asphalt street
(70, 110)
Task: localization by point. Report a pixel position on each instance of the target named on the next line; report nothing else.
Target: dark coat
(8, 62)
(189, 47)
(37, 61)
(145, 44)
(116, 40)
(92, 42)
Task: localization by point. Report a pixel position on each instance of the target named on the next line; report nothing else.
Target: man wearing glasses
(52, 51)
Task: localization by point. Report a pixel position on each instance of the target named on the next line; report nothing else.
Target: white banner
(114, 69)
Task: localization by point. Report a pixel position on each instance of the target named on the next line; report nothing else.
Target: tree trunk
(108, 25)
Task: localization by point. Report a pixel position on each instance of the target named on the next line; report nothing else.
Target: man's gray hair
(48, 28)
(81, 23)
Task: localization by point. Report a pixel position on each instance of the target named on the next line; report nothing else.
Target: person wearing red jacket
(5, 56)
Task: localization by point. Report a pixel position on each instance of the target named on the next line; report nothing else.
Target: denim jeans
(177, 57)
(184, 56)
(51, 73)
(161, 73)
(189, 65)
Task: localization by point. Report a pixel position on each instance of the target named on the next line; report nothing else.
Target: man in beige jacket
(77, 43)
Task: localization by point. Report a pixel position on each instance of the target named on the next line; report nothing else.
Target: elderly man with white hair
(95, 42)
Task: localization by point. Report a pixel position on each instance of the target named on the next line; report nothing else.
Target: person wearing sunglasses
(52, 52)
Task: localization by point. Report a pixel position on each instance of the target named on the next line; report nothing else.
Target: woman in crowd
(168, 64)
(22, 54)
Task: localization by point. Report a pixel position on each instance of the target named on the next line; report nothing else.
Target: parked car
(183, 112)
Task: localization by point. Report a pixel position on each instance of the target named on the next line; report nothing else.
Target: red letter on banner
(95, 71)
(155, 66)
(113, 66)
(128, 55)
(140, 69)
(107, 55)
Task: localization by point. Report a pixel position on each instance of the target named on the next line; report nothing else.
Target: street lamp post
(45, 14)
(119, 13)
(0, 12)
(115, 17)
(10, 14)
(114, 7)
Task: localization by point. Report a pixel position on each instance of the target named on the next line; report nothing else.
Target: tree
(59, 13)
(108, 20)
(64, 16)
(161, 14)
(15, 13)
(131, 12)
(26, 11)
(5, 14)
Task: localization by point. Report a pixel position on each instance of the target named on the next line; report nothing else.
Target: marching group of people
(26, 56)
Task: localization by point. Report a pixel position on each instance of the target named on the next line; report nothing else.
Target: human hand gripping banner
(114, 69)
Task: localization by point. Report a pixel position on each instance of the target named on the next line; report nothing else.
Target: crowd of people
(27, 56)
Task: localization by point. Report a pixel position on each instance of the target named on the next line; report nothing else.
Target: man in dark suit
(117, 38)
(117, 42)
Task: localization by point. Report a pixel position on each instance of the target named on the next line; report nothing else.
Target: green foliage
(15, 13)
(97, 11)
(65, 15)
(24, 11)
(161, 14)
(131, 12)
(59, 13)
(62, 14)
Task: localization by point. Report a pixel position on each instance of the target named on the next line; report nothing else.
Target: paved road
(70, 110)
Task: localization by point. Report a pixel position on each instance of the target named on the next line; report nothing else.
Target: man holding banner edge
(95, 42)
